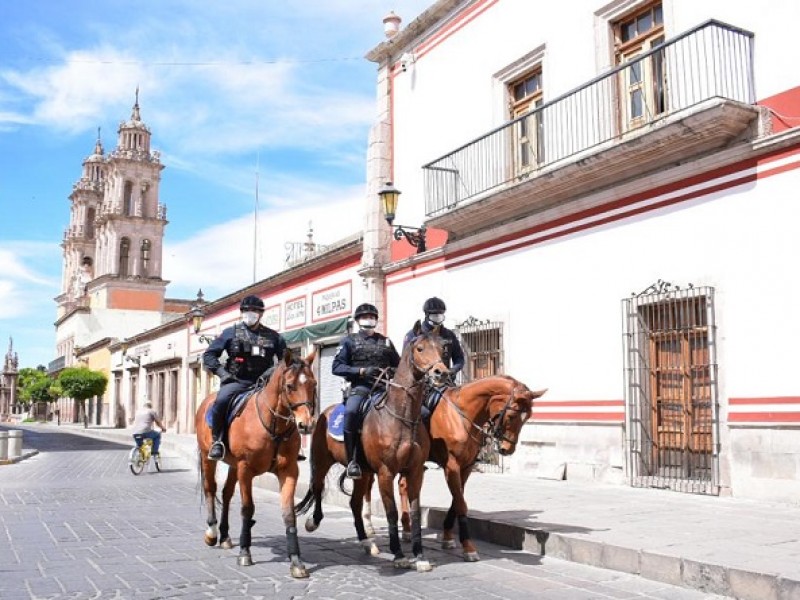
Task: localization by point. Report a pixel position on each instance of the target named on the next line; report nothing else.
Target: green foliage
(81, 383)
(34, 386)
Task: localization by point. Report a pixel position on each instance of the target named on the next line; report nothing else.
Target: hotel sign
(334, 301)
(295, 312)
(272, 317)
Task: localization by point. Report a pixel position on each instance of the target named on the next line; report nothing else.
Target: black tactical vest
(364, 353)
(251, 352)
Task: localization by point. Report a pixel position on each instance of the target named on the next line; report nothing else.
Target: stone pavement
(740, 548)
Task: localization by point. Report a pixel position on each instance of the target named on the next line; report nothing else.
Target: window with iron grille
(482, 342)
(671, 388)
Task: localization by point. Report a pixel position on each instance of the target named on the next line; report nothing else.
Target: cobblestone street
(75, 523)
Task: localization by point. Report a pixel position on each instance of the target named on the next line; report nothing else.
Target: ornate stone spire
(135, 114)
(98, 146)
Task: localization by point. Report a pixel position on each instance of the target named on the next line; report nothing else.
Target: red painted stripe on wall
(576, 403)
(572, 417)
(764, 417)
(776, 400)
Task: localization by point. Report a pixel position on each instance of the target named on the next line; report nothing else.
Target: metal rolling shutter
(330, 386)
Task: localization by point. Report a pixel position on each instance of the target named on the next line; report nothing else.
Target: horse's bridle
(283, 400)
(494, 426)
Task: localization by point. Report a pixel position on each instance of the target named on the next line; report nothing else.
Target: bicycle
(141, 455)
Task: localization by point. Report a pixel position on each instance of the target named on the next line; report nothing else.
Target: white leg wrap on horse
(212, 531)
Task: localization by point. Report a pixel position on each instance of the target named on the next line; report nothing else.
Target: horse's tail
(342, 479)
(302, 507)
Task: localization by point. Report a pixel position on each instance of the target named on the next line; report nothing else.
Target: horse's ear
(309, 360)
(288, 357)
(539, 393)
(417, 327)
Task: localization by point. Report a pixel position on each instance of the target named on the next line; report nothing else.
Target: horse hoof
(448, 544)
(311, 525)
(369, 547)
(226, 544)
(401, 563)
(297, 569)
(471, 557)
(209, 540)
(406, 536)
(423, 566)
(245, 561)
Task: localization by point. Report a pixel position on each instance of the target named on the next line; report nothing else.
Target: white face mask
(367, 323)
(436, 318)
(250, 318)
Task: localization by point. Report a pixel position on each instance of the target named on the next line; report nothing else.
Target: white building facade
(610, 193)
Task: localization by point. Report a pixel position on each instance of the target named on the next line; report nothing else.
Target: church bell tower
(113, 245)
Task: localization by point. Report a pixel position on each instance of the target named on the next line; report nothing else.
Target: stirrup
(353, 470)
(217, 451)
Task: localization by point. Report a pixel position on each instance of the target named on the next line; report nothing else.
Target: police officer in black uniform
(359, 359)
(252, 348)
(452, 353)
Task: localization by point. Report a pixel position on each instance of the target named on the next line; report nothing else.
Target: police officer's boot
(353, 470)
(217, 450)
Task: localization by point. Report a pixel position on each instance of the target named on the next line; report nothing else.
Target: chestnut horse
(393, 441)
(265, 437)
(494, 407)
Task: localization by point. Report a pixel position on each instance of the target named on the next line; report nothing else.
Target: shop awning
(316, 331)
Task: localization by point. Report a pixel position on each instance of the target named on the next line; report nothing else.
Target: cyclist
(143, 427)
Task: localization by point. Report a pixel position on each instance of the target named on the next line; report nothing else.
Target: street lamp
(389, 196)
(196, 315)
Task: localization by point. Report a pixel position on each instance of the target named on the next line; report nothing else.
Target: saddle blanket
(336, 418)
(235, 407)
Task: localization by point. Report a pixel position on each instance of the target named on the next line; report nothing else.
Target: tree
(81, 383)
(34, 386)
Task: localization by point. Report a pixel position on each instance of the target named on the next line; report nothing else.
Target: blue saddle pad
(235, 407)
(336, 418)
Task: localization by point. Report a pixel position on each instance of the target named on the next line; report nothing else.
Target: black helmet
(365, 309)
(434, 305)
(252, 303)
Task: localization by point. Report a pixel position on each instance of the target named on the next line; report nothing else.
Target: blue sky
(229, 89)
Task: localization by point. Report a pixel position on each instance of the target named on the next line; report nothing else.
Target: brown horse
(494, 407)
(265, 437)
(393, 441)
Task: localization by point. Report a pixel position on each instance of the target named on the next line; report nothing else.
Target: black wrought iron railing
(713, 60)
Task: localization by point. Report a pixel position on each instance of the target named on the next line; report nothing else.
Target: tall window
(525, 95)
(127, 200)
(90, 216)
(124, 253)
(145, 257)
(642, 84)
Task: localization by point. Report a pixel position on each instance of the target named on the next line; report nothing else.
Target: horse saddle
(336, 418)
(431, 401)
(236, 405)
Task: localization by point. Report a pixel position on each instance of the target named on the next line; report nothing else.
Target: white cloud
(220, 259)
(25, 288)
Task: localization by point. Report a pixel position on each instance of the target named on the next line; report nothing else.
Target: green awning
(316, 331)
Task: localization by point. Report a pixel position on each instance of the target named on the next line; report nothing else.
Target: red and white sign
(333, 301)
(295, 313)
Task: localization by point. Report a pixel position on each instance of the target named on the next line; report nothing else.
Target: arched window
(127, 200)
(145, 257)
(124, 251)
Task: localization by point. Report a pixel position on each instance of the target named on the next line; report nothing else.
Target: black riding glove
(224, 376)
(372, 372)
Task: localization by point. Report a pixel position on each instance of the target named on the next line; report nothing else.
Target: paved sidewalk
(739, 548)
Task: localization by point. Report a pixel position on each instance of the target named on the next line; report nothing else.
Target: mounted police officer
(452, 353)
(360, 359)
(252, 348)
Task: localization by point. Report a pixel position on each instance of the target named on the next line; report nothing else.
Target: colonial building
(617, 184)
(111, 285)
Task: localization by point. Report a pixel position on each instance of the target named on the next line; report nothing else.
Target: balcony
(683, 98)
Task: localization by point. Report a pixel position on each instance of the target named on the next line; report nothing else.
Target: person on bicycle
(142, 427)
(452, 353)
(359, 359)
(252, 349)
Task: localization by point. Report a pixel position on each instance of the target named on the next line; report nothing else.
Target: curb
(25, 454)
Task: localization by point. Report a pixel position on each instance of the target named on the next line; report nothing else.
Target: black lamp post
(415, 236)
(197, 314)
